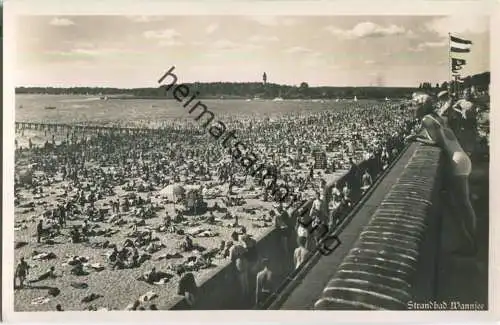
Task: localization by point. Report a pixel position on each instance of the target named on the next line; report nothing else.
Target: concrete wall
(384, 266)
(220, 291)
(222, 288)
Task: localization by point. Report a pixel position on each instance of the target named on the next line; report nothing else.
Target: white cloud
(161, 34)
(367, 29)
(145, 19)
(459, 25)
(211, 28)
(423, 46)
(80, 44)
(274, 20)
(225, 47)
(225, 44)
(263, 39)
(297, 49)
(411, 34)
(252, 46)
(170, 43)
(61, 22)
(85, 53)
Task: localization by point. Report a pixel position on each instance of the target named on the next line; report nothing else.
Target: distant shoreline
(114, 98)
(259, 90)
(236, 91)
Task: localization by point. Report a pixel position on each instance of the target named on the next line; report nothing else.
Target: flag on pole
(456, 64)
(459, 45)
(458, 78)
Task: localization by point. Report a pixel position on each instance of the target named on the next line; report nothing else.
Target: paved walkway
(464, 280)
(311, 286)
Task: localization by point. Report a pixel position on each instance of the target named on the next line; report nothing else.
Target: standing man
(251, 256)
(346, 191)
(311, 173)
(39, 230)
(316, 207)
(302, 231)
(237, 256)
(22, 270)
(61, 216)
(282, 224)
(300, 254)
(354, 179)
(366, 180)
(264, 284)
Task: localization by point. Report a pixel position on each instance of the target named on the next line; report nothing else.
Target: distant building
(264, 78)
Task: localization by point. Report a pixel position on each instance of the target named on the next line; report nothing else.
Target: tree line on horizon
(481, 81)
(250, 90)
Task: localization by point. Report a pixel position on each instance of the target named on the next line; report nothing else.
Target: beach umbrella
(173, 192)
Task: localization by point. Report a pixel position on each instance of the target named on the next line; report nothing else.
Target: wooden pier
(86, 129)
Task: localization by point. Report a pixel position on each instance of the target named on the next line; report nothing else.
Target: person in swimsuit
(22, 270)
(264, 284)
(436, 132)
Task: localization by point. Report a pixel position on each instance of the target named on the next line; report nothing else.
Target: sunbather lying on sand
(168, 256)
(41, 256)
(154, 247)
(154, 277)
(91, 297)
(50, 274)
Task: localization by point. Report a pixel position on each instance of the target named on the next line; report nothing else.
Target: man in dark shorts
(282, 224)
(39, 230)
(22, 270)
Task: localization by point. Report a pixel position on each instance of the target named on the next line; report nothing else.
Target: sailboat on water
(279, 98)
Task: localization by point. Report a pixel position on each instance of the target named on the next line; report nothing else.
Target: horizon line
(244, 82)
(191, 83)
(228, 82)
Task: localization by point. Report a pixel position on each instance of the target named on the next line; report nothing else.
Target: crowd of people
(451, 124)
(109, 184)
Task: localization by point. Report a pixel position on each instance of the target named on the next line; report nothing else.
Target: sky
(135, 51)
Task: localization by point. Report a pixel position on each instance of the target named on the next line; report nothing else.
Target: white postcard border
(147, 7)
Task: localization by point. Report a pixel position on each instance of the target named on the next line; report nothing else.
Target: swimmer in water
(436, 132)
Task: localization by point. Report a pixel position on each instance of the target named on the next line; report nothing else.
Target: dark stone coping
(379, 271)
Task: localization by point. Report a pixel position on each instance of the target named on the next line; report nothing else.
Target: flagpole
(450, 89)
(449, 59)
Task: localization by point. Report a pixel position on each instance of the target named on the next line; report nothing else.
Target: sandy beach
(121, 287)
